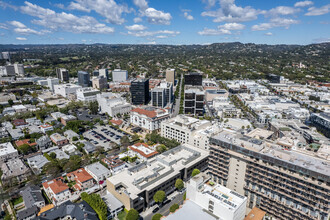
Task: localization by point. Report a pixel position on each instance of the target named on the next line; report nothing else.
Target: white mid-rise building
(50, 83)
(87, 94)
(66, 90)
(119, 75)
(148, 118)
(113, 104)
(19, 69)
(222, 202)
(189, 130)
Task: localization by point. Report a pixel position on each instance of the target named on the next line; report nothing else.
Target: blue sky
(164, 21)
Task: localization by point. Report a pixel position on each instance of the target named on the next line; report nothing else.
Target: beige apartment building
(170, 75)
(285, 183)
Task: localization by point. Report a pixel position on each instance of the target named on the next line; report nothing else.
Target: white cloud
(137, 20)
(3, 26)
(136, 27)
(106, 8)
(17, 24)
(188, 16)
(321, 40)
(150, 42)
(64, 21)
(210, 3)
(153, 33)
(154, 16)
(21, 28)
(210, 32)
(142, 4)
(161, 36)
(275, 22)
(223, 29)
(313, 11)
(283, 10)
(230, 12)
(232, 26)
(157, 17)
(269, 34)
(21, 38)
(303, 4)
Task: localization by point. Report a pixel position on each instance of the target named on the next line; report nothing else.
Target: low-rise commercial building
(66, 118)
(136, 186)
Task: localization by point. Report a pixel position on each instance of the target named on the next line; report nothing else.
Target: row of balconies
(288, 178)
(298, 214)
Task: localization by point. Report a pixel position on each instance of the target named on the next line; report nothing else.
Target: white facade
(189, 130)
(66, 89)
(98, 171)
(50, 82)
(87, 94)
(3, 71)
(119, 75)
(19, 69)
(217, 199)
(148, 119)
(104, 73)
(7, 152)
(112, 104)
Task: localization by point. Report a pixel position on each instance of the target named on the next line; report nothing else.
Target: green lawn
(122, 215)
(17, 201)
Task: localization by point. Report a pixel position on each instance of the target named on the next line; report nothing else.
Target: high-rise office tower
(162, 95)
(84, 79)
(62, 74)
(158, 97)
(193, 79)
(193, 100)
(170, 75)
(140, 91)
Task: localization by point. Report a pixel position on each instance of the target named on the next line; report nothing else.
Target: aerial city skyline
(164, 22)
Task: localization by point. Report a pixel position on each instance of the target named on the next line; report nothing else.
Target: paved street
(165, 210)
(177, 101)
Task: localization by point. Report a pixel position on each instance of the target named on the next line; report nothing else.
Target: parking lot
(104, 136)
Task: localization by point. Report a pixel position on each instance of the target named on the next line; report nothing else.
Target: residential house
(82, 178)
(36, 163)
(58, 139)
(57, 191)
(114, 163)
(46, 127)
(44, 142)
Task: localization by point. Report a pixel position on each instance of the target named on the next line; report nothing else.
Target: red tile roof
(57, 185)
(46, 126)
(18, 122)
(25, 141)
(116, 122)
(81, 175)
(150, 114)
